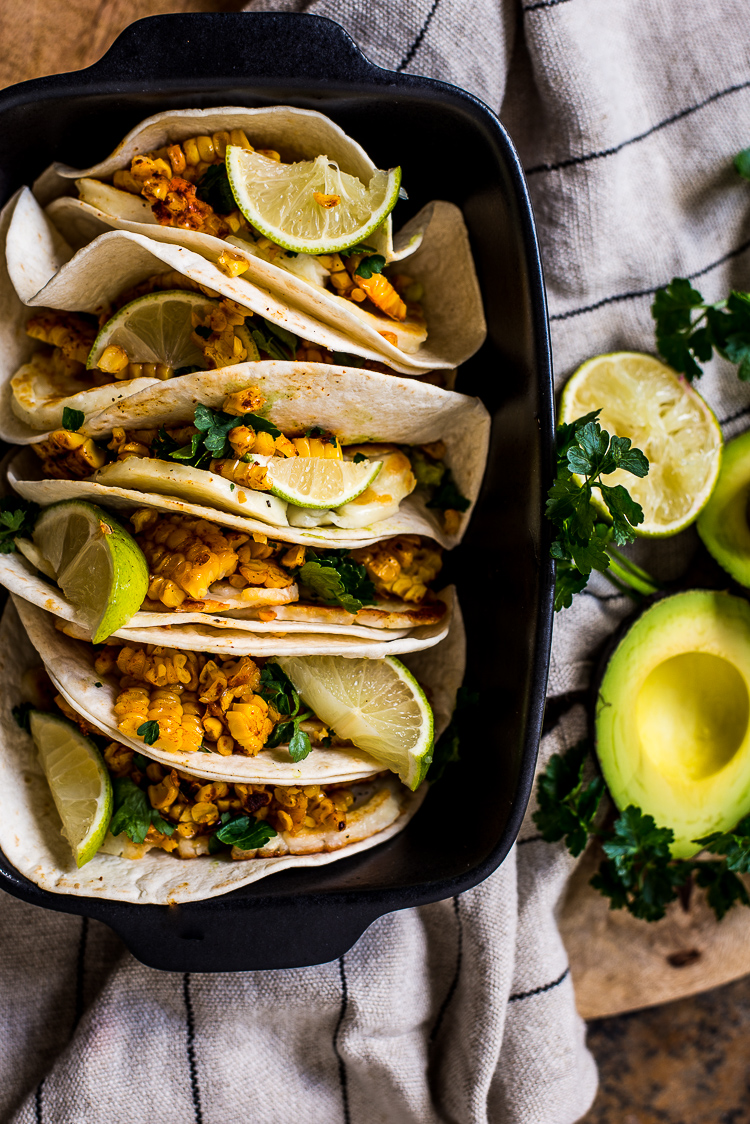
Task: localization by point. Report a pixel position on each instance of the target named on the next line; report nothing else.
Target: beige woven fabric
(626, 114)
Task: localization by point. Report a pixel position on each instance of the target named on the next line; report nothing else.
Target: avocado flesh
(673, 716)
(723, 523)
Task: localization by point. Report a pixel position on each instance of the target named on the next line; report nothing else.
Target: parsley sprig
(17, 517)
(277, 689)
(212, 439)
(335, 579)
(583, 539)
(244, 832)
(637, 872)
(133, 813)
(689, 329)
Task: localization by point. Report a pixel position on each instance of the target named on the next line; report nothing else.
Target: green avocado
(673, 716)
(723, 523)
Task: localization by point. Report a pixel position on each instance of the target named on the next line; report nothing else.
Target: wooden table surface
(682, 1062)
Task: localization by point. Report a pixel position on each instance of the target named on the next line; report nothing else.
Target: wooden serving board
(619, 963)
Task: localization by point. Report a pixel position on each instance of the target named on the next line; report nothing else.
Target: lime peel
(376, 704)
(98, 565)
(155, 328)
(78, 780)
(643, 399)
(280, 201)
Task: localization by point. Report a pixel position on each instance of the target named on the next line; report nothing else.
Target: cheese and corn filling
(197, 701)
(185, 186)
(187, 555)
(225, 332)
(195, 809)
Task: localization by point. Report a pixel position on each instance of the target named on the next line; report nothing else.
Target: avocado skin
(698, 794)
(723, 524)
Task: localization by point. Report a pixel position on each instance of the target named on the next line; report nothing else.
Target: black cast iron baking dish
(450, 146)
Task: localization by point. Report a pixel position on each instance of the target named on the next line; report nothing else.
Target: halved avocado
(723, 523)
(673, 716)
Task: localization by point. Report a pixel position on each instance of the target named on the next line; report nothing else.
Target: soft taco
(242, 720)
(199, 587)
(322, 455)
(168, 179)
(235, 833)
(119, 318)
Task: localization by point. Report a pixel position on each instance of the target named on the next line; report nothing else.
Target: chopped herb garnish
(17, 517)
(335, 579)
(276, 687)
(214, 188)
(359, 457)
(133, 813)
(244, 832)
(368, 266)
(149, 731)
(72, 419)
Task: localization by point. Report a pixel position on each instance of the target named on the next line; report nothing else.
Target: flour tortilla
(359, 406)
(70, 665)
(435, 241)
(299, 629)
(31, 840)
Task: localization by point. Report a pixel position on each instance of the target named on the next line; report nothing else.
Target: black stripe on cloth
(544, 4)
(531, 839)
(194, 1087)
(539, 990)
(38, 1102)
(80, 971)
(735, 417)
(454, 982)
(572, 161)
(418, 41)
(343, 1080)
(636, 293)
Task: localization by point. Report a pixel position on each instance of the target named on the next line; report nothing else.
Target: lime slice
(155, 329)
(317, 482)
(280, 201)
(643, 399)
(78, 780)
(99, 567)
(377, 704)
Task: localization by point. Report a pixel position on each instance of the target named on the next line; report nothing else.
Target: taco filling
(157, 807)
(237, 461)
(186, 185)
(164, 327)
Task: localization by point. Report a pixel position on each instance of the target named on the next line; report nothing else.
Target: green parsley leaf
(447, 496)
(21, 715)
(368, 266)
(213, 188)
(359, 457)
(149, 731)
(72, 419)
(567, 807)
(742, 163)
(582, 536)
(276, 688)
(17, 517)
(245, 832)
(335, 579)
(735, 845)
(133, 813)
(640, 859)
(299, 743)
(722, 885)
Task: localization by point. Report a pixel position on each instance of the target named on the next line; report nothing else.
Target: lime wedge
(317, 482)
(78, 780)
(99, 567)
(280, 201)
(155, 329)
(643, 399)
(377, 704)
